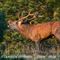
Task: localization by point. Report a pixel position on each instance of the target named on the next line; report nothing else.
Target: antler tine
(29, 14)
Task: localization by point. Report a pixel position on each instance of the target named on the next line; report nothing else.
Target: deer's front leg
(36, 50)
(37, 46)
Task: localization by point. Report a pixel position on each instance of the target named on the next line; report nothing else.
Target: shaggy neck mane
(23, 29)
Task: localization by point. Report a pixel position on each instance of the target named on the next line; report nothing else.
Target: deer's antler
(29, 14)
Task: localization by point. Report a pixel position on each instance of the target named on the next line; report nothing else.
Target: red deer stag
(36, 32)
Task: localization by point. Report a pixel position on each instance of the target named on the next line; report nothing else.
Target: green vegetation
(48, 9)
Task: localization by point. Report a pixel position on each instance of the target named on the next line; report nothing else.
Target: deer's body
(37, 32)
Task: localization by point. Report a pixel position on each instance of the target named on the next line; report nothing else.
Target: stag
(36, 32)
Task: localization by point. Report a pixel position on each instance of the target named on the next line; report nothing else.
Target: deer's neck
(23, 29)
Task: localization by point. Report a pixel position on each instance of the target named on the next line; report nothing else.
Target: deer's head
(12, 24)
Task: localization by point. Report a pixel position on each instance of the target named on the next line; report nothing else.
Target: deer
(35, 32)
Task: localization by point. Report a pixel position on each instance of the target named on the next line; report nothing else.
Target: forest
(11, 42)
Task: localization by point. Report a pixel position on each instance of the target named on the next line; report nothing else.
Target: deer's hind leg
(57, 33)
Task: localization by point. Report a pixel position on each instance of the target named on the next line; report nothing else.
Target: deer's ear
(57, 33)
